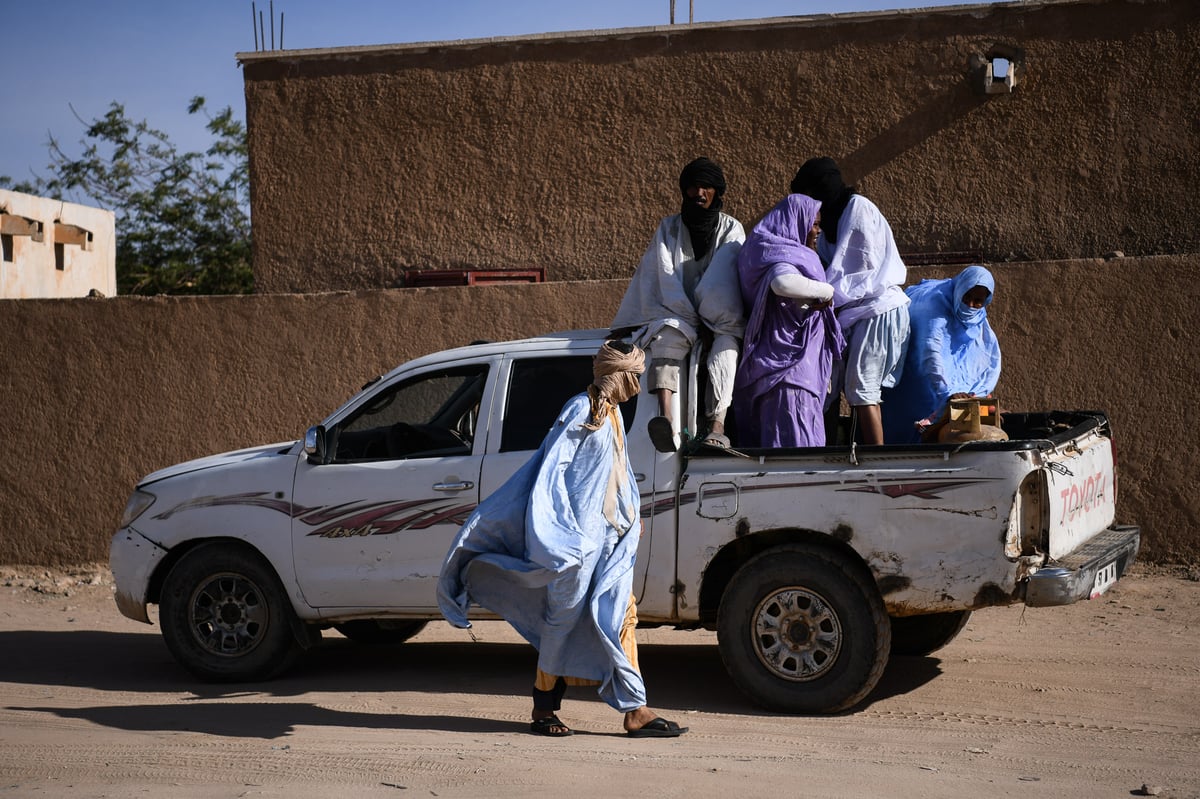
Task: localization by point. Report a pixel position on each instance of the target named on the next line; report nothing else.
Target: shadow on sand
(679, 677)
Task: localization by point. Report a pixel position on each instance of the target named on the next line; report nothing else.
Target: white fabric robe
(864, 265)
(657, 297)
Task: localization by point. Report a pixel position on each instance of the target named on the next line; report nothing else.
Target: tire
(802, 629)
(920, 635)
(224, 615)
(380, 632)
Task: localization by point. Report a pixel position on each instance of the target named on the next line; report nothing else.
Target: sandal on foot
(659, 728)
(662, 434)
(717, 440)
(552, 726)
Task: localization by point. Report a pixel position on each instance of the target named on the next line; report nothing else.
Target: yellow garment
(545, 682)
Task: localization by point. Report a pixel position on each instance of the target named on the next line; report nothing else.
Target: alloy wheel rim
(228, 615)
(797, 634)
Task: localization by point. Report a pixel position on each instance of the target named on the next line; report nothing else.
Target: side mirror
(314, 444)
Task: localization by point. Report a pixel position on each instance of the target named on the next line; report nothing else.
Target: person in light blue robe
(552, 551)
(952, 352)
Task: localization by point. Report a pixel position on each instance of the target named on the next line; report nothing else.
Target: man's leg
(642, 722)
(667, 353)
(548, 691)
(874, 357)
(870, 423)
(665, 396)
(722, 369)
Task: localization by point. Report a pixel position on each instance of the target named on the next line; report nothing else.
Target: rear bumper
(1073, 577)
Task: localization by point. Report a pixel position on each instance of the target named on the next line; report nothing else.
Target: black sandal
(551, 725)
(659, 728)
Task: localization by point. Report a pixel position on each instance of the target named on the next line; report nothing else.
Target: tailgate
(1081, 488)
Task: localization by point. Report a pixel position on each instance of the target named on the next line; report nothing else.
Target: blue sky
(154, 55)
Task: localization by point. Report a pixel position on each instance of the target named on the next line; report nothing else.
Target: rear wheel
(920, 635)
(380, 632)
(803, 630)
(224, 616)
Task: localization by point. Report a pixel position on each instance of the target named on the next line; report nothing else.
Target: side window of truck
(428, 416)
(537, 390)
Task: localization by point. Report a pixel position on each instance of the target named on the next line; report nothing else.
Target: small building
(51, 248)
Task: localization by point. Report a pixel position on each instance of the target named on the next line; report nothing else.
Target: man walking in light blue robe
(552, 551)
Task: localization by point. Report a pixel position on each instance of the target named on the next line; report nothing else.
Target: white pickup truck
(813, 565)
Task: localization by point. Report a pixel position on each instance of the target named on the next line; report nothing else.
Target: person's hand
(962, 395)
(819, 305)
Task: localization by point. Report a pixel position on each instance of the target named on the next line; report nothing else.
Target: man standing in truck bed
(686, 289)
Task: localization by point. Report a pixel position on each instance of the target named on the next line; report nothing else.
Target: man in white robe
(686, 290)
(864, 267)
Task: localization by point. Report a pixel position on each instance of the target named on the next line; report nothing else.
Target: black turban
(701, 222)
(821, 179)
(702, 172)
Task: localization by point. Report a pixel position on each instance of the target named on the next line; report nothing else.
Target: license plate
(1105, 579)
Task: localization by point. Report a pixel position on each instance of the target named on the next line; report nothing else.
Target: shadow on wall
(923, 123)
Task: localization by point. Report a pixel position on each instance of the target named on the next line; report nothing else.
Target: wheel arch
(729, 559)
(177, 553)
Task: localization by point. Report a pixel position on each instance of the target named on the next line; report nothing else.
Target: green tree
(183, 225)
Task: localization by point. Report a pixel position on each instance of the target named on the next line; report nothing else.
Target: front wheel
(802, 630)
(224, 616)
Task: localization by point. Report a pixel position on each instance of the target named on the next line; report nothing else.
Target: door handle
(459, 486)
(639, 476)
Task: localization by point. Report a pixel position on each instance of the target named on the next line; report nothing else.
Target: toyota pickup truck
(813, 565)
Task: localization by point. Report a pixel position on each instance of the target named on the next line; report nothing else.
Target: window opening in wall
(999, 71)
(11, 226)
(65, 234)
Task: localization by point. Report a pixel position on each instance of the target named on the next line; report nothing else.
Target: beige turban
(615, 379)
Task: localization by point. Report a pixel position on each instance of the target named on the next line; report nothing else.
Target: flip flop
(662, 435)
(659, 728)
(546, 727)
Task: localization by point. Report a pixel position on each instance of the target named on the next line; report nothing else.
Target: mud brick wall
(95, 393)
(563, 151)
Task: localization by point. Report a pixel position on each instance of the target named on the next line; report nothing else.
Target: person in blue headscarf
(952, 352)
(552, 552)
(792, 335)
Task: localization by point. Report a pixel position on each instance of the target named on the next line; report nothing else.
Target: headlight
(138, 504)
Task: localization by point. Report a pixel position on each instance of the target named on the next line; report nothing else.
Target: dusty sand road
(1095, 700)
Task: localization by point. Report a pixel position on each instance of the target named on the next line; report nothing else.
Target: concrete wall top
(562, 151)
(358, 51)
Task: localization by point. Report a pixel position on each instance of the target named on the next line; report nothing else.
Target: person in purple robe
(792, 335)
